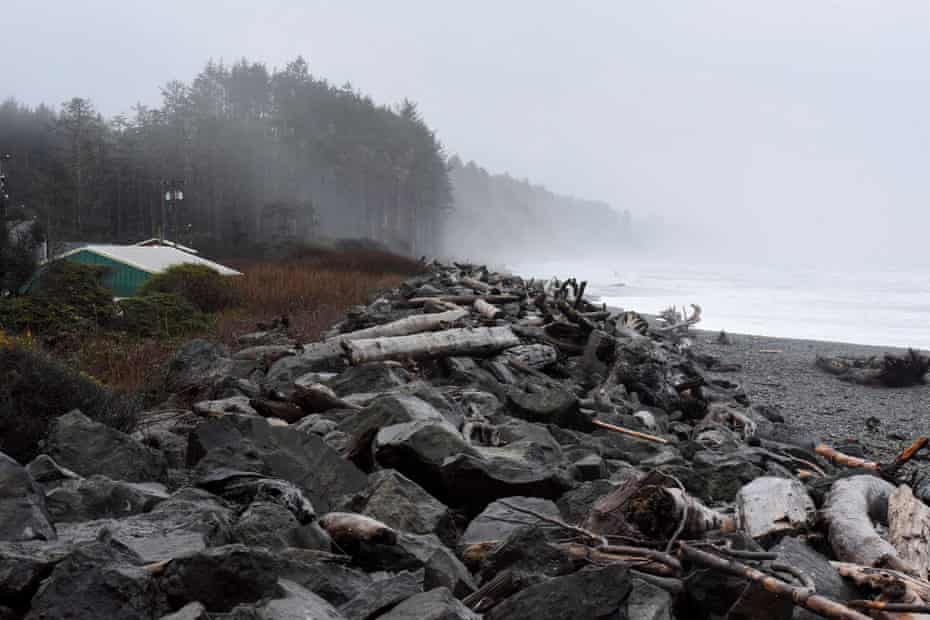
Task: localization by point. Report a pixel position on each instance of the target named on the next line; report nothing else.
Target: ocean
(885, 308)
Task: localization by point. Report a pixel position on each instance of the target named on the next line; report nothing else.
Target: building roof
(151, 259)
(155, 241)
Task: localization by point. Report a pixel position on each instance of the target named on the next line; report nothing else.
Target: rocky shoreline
(467, 445)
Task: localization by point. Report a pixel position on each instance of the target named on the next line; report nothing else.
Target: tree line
(257, 155)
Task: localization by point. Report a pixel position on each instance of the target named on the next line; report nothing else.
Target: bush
(160, 315)
(35, 390)
(77, 286)
(25, 314)
(202, 286)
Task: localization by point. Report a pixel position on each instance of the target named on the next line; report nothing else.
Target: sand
(780, 372)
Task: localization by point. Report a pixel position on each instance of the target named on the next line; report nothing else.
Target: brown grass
(313, 288)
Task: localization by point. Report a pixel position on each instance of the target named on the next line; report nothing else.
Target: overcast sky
(764, 129)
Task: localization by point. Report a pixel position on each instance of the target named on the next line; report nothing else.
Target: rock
(23, 567)
(297, 603)
(266, 354)
(23, 513)
(797, 553)
(224, 577)
(99, 497)
(251, 444)
(498, 520)
(648, 602)
(418, 450)
(316, 424)
(527, 441)
(369, 378)
(547, 404)
(437, 604)
(312, 378)
(311, 536)
(589, 593)
(590, 467)
(87, 447)
(402, 504)
(187, 522)
(191, 611)
(233, 404)
(264, 524)
(282, 410)
(316, 357)
(532, 355)
(99, 580)
(245, 488)
(577, 503)
(475, 482)
(382, 595)
(47, 472)
(199, 366)
(715, 477)
(529, 557)
(263, 338)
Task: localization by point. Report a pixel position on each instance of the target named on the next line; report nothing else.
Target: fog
(793, 132)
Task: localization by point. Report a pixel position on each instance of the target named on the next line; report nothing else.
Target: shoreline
(780, 373)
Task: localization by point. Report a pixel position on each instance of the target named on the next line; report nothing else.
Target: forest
(248, 156)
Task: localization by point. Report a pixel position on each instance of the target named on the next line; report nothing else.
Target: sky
(757, 131)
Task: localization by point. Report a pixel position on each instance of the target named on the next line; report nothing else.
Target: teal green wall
(122, 279)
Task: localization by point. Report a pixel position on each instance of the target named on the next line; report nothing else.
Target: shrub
(34, 390)
(202, 286)
(77, 286)
(26, 314)
(160, 315)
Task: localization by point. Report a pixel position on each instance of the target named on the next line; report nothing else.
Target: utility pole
(4, 190)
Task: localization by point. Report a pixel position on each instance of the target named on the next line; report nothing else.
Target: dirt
(780, 372)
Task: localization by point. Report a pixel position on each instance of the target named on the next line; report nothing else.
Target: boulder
(295, 602)
(498, 520)
(369, 378)
(23, 512)
(547, 404)
(198, 366)
(48, 473)
(251, 444)
(267, 354)
(648, 602)
(577, 503)
(187, 522)
(316, 357)
(589, 593)
(99, 580)
(23, 567)
(799, 554)
(402, 504)
(264, 524)
(317, 425)
(264, 337)
(99, 497)
(191, 611)
(216, 408)
(87, 447)
(437, 604)
(224, 577)
(529, 557)
(245, 488)
(382, 595)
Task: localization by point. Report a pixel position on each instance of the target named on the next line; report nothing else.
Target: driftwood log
(466, 341)
(659, 511)
(404, 327)
(486, 310)
(770, 507)
(464, 300)
(909, 529)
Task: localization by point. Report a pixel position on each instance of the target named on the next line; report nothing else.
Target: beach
(780, 373)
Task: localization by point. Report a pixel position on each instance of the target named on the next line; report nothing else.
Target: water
(887, 308)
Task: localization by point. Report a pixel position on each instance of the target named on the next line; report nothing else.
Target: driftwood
(464, 300)
(404, 327)
(533, 356)
(902, 597)
(657, 512)
(909, 529)
(467, 341)
(476, 285)
(486, 310)
(798, 595)
(850, 508)
(890, 371)
(838, 458)
(318, 398)
(628, 432)
(770, 507)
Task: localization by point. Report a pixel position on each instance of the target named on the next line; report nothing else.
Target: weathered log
(404, 327)
(801, 596)
(476, 285)
(850, 508)
(464, 300)
(909, 529)
(536, 333)
(466, 341)
(630, 433)
(838, 458)
(534, 356)
(657, 512)
(486, 310)
(882, 578)
(770, 507)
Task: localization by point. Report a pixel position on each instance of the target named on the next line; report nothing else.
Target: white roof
(152, 259)
(170, 244)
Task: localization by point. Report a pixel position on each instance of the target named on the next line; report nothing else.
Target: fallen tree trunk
(466, 341)
(909, 529)
(658, 511)
(476, 285)
(486, 310)
(464, 300)
(406, 326)
(770, 507)
(850, 508)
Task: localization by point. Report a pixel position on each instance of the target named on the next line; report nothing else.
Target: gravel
(780, 372)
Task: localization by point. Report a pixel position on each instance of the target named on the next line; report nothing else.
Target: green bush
(160, 315)
(26, 314)
(203, 286)
(80, 287)
(35, 390)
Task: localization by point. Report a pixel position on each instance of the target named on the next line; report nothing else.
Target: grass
(312, 287)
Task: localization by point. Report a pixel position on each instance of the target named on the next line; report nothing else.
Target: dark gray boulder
(99, 580)
(198, 367)
(577, 503)
(99, 497)
(316, 357)
(547, 404)
(799, 554)
(436, 604)
(589, 593)
(402, 504)
(217, 408)
(187, 522)
(369, 379)
(245, 488)
(499, 520)
(23, 513)
(87, 448)
(48, 473)
(23, 567)
(191, 611)
(648, 602)
(251, 444)
(382, 595)
(529, 557)
(264, 524)
(295, 602)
